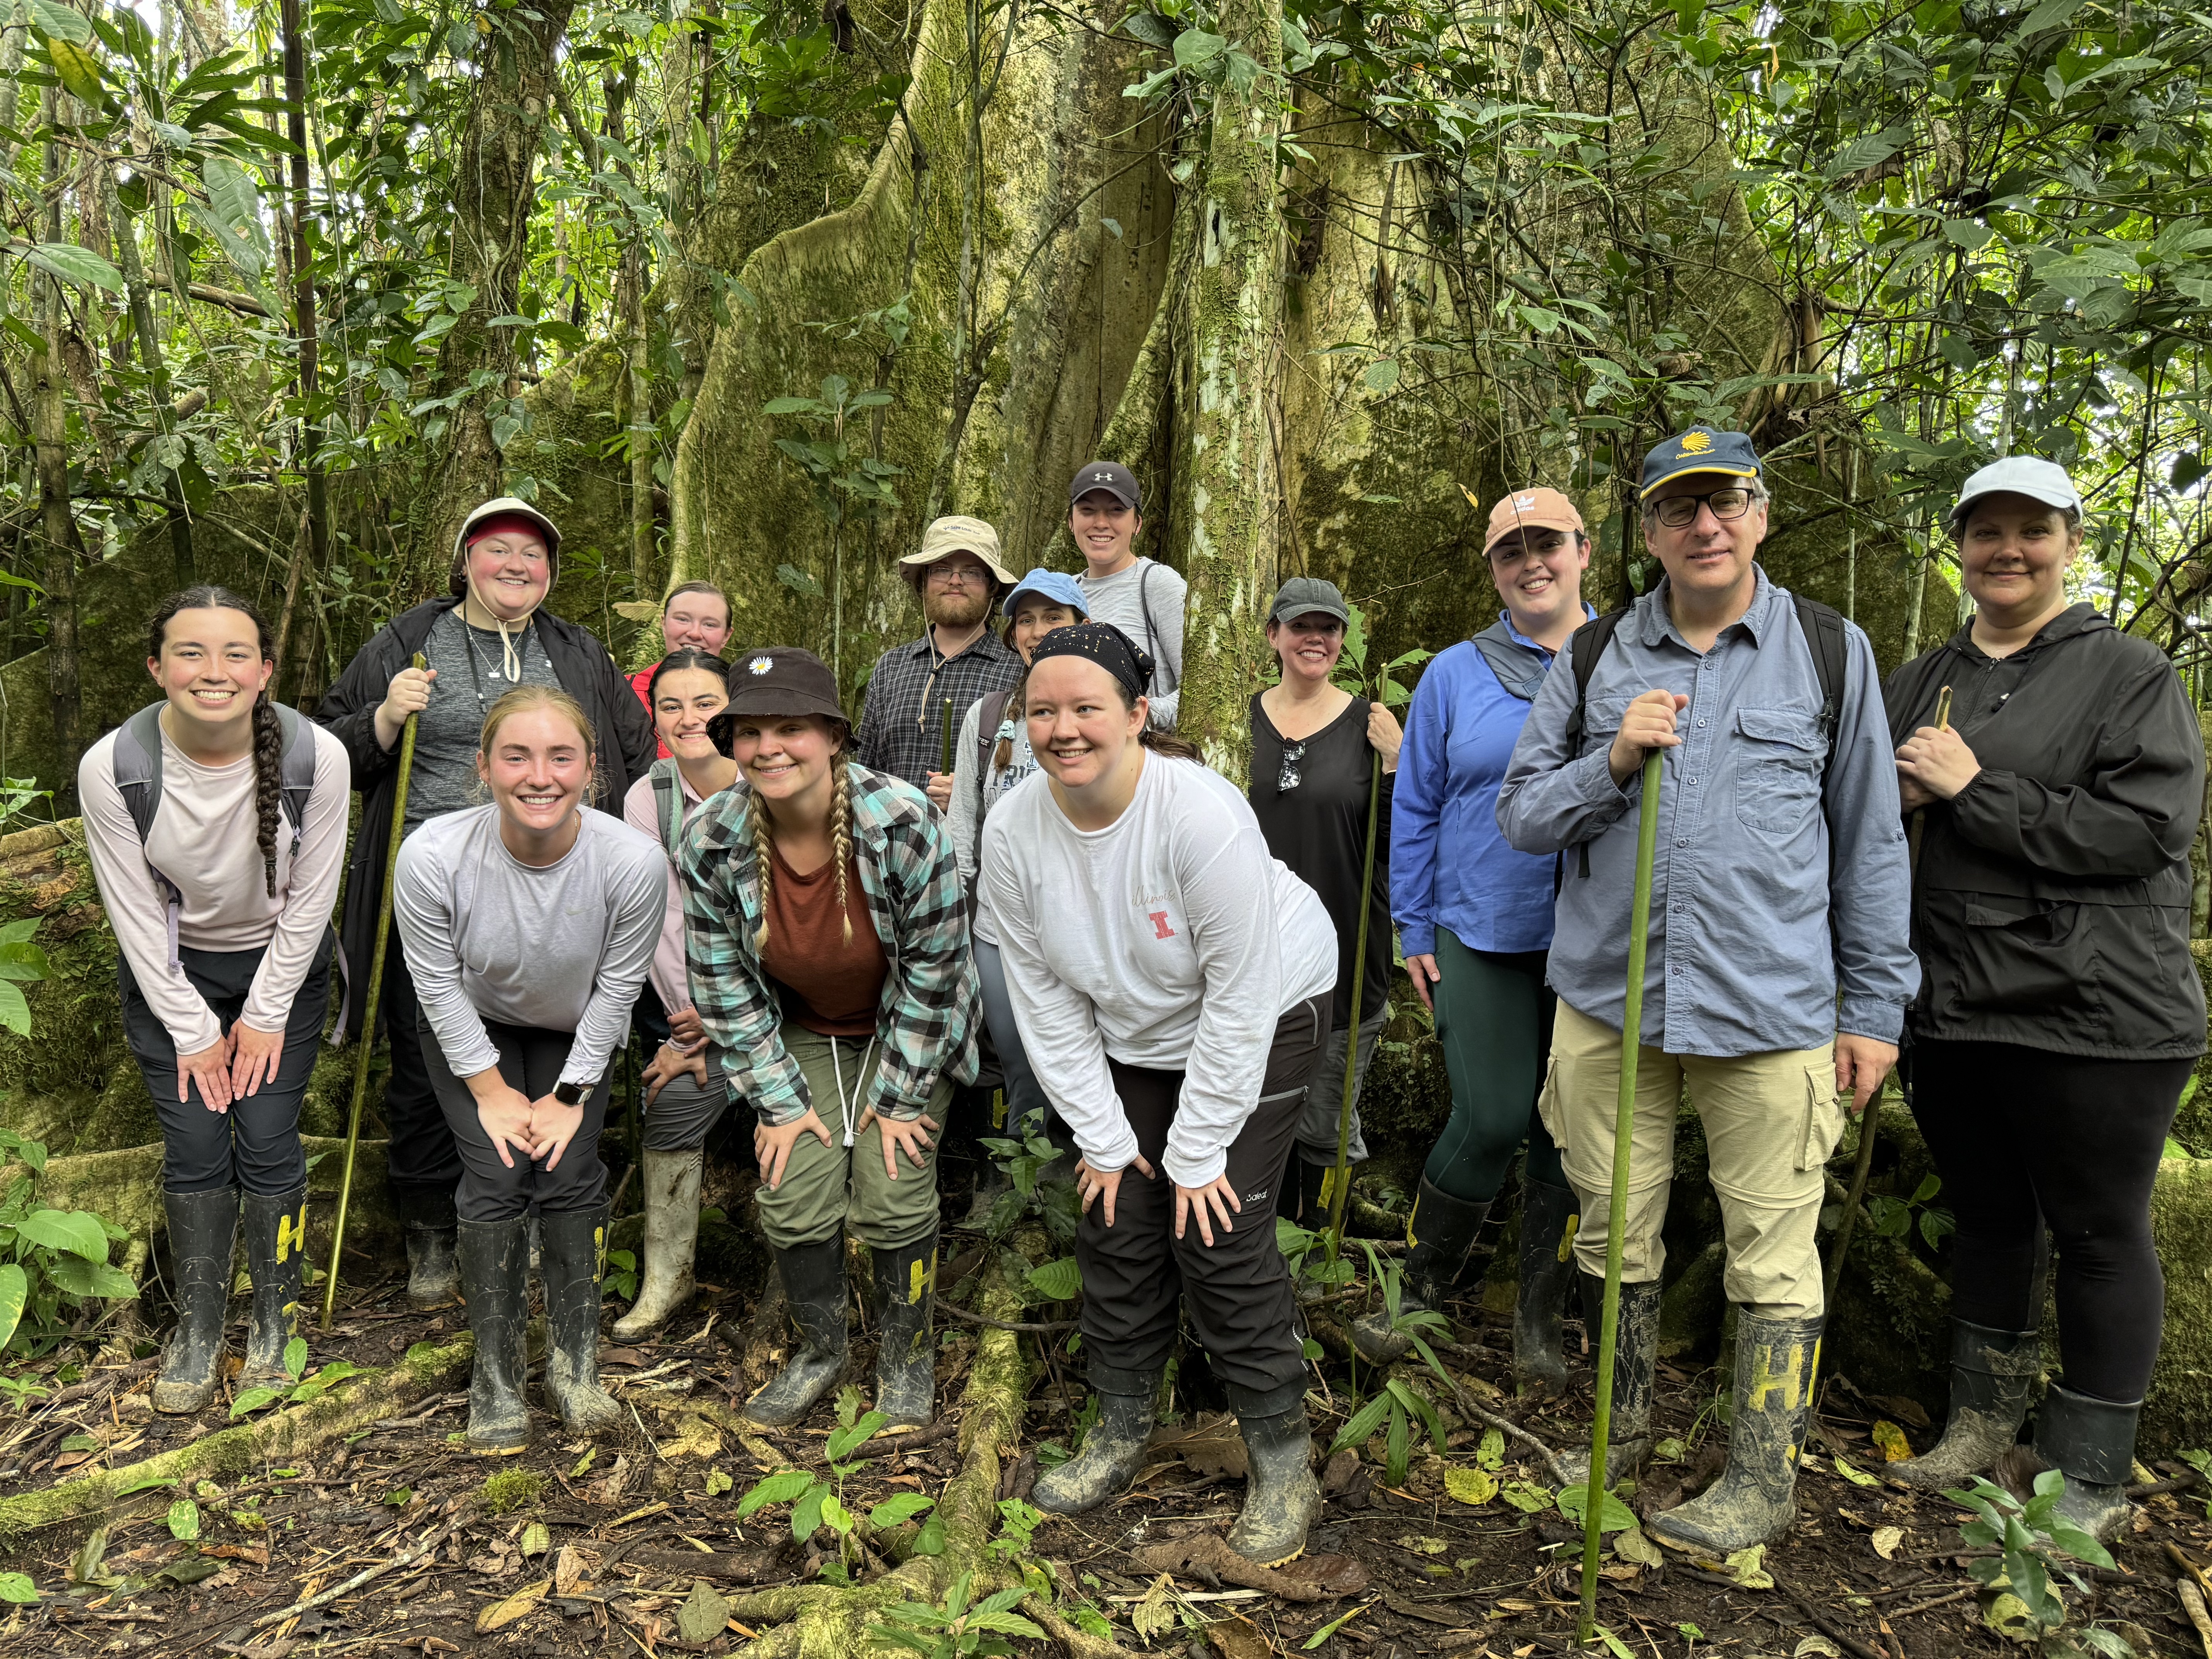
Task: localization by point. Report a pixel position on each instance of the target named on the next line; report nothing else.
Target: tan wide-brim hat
(957, 533)
(501, 507)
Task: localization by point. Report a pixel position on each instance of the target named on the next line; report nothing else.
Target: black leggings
(2024, 1138)
(530, 1061)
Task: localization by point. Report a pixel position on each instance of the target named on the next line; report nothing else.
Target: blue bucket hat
(1700, 449)
(1052, 585)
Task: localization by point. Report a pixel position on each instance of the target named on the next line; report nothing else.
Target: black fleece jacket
(2052, 905)
(586, 672)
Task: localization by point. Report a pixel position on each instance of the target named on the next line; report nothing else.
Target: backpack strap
(667, 803)
(299, 771)
(1586, 646)
(138, 762)
(1151, 632)
(1519, 671)
(990, 715)
(1823, 626)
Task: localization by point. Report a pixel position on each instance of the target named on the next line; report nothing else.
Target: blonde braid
(764, 857)
(841, 836)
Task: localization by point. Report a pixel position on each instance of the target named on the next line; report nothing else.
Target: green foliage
(955, 1629)
(301, 1388)
(2033, 1544)
(817, 1503)
(510, 1489)
(1023, 1154)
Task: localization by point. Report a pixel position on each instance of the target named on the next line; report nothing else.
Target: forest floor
(607, 1542)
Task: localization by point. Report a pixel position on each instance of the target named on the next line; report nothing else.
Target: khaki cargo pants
(829, 1188)
(1770, 1120)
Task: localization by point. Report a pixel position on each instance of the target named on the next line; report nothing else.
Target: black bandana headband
(1103, 644)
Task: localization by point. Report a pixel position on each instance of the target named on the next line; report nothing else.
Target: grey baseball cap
(2016, 475)
(1115, 479)
(1308, 596)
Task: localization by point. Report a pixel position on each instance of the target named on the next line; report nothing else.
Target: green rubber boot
(1628, 1441)
(1548, 1215)
(203, 1230)
(1991, 1372)
(494, 1260)
(814, 1290)
(1113, 1454)
(671, 1241)
(1282, 1499)
(2092, 1444)
(276, 1251)
(1751, 1503)
(570, 1243)
(1439, 1235)
(906, 1357)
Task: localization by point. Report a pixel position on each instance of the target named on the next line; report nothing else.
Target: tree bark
(313, 545)
(49, 418)
(182, 570)
(1230, 492)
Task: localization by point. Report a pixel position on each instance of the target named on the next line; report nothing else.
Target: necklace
(478, 671)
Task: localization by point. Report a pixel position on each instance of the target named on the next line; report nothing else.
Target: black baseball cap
(782, 679)
(1115, 479)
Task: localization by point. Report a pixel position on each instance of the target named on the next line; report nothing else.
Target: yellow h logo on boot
(1567, 1237)
(1765, 1380)
(921, 1279)
(289, 1235)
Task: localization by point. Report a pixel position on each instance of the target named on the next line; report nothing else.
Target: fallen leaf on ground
(1211, 1446)
(703, 1616)
(1458, 1641)
(536, 1539)
(1886, 1541)
(568, 1570)
(1745, 1567)
(1153, 1615)
(1238, 1638)
(1895, 1448)
(1311, 1578)
(1633, 1546)
(501, 1614)
(255, 1555)
(1423, 1546)
(1816, 1645)
(694, 1437)
(1471, 1486)
(1857, 1477)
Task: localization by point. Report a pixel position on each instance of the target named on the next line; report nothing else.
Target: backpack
(667, 803)
(1823, 626)
(1520, 674)
(139, 778)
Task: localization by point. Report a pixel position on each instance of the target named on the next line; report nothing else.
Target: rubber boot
(572, 1241)
(1547, 1264)
(1440, 1234)
(814, 1291)
(203, 1231)
(1991, 1372)
(276, 1252)
(2092, 1444)
(426, 1211)
(494, 1260)
(1313, 1192)
(1628, 1439)
(1113, 1454)
(1282, 1499)
(1751, 1502)
(992, 1184)
(906, 1357)
(671, 1241)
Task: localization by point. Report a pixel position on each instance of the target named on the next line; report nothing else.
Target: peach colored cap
(1536, 508)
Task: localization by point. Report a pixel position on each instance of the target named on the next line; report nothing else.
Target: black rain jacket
(586, 673)
(2052, 905)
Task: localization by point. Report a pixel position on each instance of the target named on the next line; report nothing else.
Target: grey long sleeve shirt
(563, 947)
(1762, 905)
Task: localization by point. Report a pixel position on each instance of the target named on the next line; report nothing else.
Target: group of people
(1010, 870)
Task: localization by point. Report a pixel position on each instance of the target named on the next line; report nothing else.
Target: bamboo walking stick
(1623, 1123)
(1340, 1173)
(1868, 1122)
(366, 1037)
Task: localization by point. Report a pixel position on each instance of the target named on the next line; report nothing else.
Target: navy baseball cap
(1700, 449)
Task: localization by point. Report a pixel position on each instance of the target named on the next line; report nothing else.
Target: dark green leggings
(1494, 1019)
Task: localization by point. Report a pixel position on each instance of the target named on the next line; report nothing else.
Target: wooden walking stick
(1340, 1173)
(1624, 1122)
(1870, 1119)
(366, 1037)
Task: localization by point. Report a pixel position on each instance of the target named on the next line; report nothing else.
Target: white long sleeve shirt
(561, 947)
(641, 811)
(1170, 939)
(204, 837)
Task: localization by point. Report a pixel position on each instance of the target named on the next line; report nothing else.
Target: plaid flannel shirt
(931, 1009)
(902, 728)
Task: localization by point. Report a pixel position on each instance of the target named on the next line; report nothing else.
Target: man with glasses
(1778, 965)
(915, 688)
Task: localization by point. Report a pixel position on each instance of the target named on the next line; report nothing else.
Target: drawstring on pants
(846, 1108)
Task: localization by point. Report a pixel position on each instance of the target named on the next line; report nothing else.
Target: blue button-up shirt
(1450, 866)
(1762, 903)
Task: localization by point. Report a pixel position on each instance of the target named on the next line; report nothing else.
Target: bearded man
(919, 690)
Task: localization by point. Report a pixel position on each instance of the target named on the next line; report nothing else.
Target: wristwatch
(573, 1094)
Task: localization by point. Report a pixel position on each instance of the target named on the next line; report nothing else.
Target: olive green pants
(825, 1189)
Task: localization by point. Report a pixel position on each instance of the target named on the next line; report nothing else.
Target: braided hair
(268, 731)
(840, 828)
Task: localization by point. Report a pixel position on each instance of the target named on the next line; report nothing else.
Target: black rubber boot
(572, 1241)
(1312, 1191)
(2092, 1444)
(1113, 1454)
(1751, 1502)
(434, 1275)
(494, 1260)
(814, 1291)
(1991, 1372)
(1282, 1499)
(276, 1248)
(906, 1357)
(1628, 1439)
(203, 1230)
(1440, 1234)
(1548, 1215)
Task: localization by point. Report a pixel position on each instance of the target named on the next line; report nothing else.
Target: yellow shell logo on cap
(1696, 443)
(760, 665)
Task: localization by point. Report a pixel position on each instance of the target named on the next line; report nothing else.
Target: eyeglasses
(1287, 779)
(969, 575)
(1677, 512)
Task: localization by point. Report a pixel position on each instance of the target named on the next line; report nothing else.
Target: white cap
(2017, 474)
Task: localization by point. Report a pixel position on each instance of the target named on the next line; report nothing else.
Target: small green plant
(1893, 1218)
(1023, 1154)
(60, 1257)
(301, 1388)
(2034, 1544)
(816, 1504)
(621, 1274)
(956, 1631)
(507, 1489)
(1019, 1522)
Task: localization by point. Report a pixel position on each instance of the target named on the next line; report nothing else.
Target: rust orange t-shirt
(828, 986)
